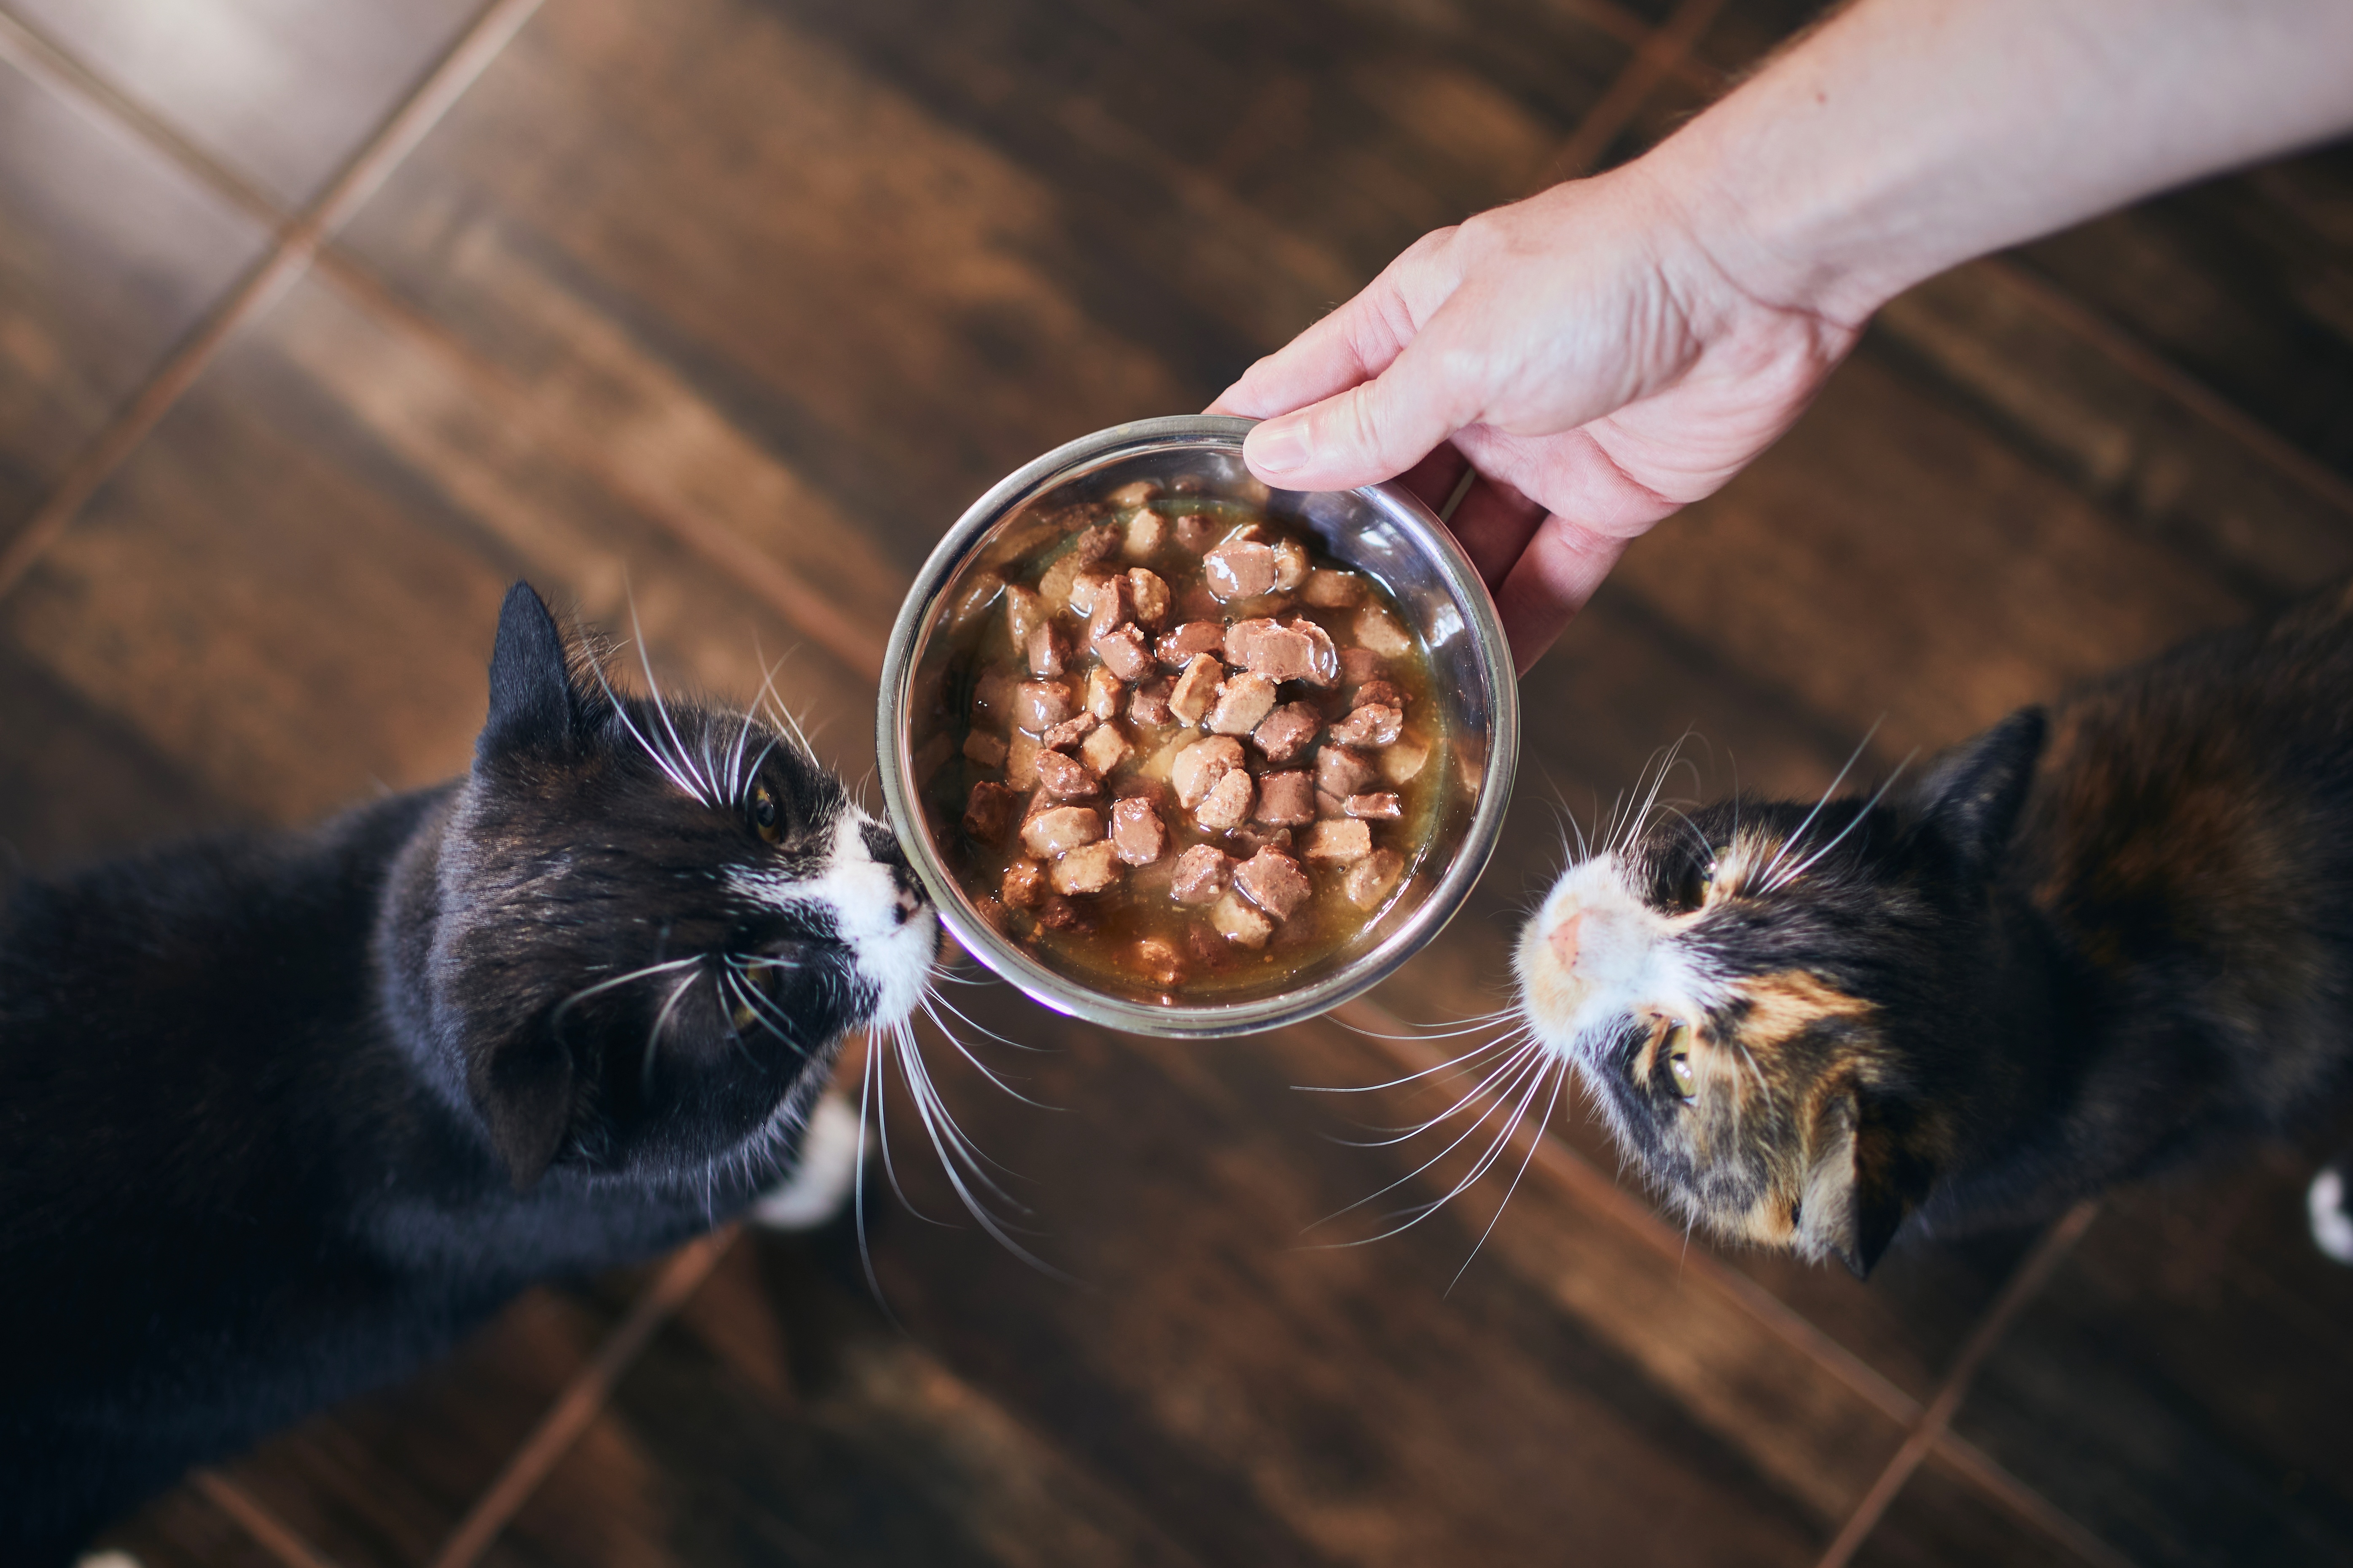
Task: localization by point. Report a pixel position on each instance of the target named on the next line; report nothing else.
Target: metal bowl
(1380, 530)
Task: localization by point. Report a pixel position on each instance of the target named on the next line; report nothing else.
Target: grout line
(274, 1534)
(1662, 55)
(265, 282)
(2030, 1278)
(1565, 1166)
(582, 1400)
(2028, 1506)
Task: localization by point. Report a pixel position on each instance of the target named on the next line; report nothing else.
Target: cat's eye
(1679, 1068)
(1691, 887)
(766, 814)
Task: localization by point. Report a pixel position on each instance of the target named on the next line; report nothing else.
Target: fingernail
(1277, 447)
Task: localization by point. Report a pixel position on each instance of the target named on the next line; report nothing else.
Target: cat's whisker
(1516, 1102)
(704, 791)
(620, 711)
(774, 702)
(653, 1036)
(1524, 1065)
(1475, 1095)
(966, 1051)
(555, 1019)
(1791, 842)
(1877, 795)
(1543, 1124)
(1432, 1071)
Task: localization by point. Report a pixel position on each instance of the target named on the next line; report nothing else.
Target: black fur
(283, 1115)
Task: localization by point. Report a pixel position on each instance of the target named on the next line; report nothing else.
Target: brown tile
(782, 1418)
(2179, 1387)
(282, 90)
(1939, 1517)
(2244, 283)
(290, 590)
(108, 256)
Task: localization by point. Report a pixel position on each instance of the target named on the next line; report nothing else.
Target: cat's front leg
(825, 1175)
(2330, 1204)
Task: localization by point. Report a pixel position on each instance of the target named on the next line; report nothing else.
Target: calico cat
(281, 1116)
(2092, 943)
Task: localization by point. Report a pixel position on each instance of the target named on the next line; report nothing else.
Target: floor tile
(2179, 1385)
(282, 90)
(1940, 1518)
(109, 254)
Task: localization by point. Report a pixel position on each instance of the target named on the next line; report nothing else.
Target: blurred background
(321, 320)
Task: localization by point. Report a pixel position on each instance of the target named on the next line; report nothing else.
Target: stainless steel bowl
(1380, 530)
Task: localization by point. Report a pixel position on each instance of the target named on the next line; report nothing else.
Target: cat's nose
(1563, 940)
(882, 848)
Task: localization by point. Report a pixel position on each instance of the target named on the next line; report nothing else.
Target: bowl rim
(1208, 1020)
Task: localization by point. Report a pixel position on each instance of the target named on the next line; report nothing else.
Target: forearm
(1904, 136)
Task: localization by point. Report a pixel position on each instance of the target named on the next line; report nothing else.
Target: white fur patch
(891, 937)
(828, 1173)
(1595, 954)
(2332, 1227)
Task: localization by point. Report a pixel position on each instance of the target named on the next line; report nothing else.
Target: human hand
(1594, 362)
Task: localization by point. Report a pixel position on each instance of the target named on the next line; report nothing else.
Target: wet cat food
(1181, 751)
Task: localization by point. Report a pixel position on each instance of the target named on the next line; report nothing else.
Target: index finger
(1351, 345)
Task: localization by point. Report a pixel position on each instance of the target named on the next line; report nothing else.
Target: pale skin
(1613, 349)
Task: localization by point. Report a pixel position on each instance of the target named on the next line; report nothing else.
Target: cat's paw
(822, 1183)
(2332, 1220)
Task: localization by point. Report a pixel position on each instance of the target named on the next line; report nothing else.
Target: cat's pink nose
(1565, 938)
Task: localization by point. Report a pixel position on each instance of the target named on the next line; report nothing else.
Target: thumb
(1372, 431)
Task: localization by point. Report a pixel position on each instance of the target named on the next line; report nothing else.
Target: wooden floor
(321, 320)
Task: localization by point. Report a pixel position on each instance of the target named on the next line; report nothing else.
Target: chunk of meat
(1158, 961)
(1202, 873)
(1345, 840)
(985, 749)
(1286, 799)
(1039, 705)
(1196, 769)
(1021, 750)
(1329, 590)
(1382, 807)
(1378, 630)
(1380, 693)
(1323, 656)
(1193, 530)
(1136, 828)
(973, 599)
(1358, 665)
(1197, 689)
(1248, 840)
(1239, 568)
(1058, 914)
(989, 810)
(1104, 693)
(1023, 885)
(992, 694)
(1048, 648)
(1238, 923)
(1066, 778)
(1123, 653)
(1024, 613)
(1054, 586)
(1149, 596)
(1291, 565)
(1341, 772)
(1084, 586)
(1114, 606)
(1135, 492)
(1145, 536)
(1274, 881)
(1369, 724)
(1329, 805)
(1059, 829)
(1242, 702)
(1105, 748)
(1368, 882)
(1178, 648)
(1403, 761)
(1264, 648)
(1286, 733)
(1089, 868)
(1227, 805)
(1149, 705)
(1097, 544)
(1135, 786)
(1068, 733)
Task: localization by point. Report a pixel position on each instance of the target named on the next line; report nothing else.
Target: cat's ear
(1866, 1181)
(1973, 793)
(532, 703)
(523, 1087)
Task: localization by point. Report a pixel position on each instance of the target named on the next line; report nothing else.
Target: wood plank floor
(321, 321)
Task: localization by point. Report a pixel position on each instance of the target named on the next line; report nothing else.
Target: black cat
(2092, 943)
(281, 1116)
